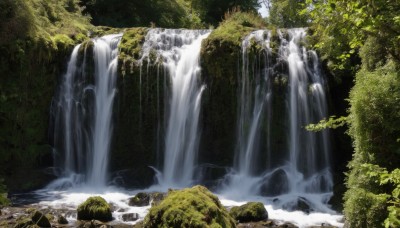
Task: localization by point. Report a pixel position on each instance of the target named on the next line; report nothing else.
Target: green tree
(286, 13)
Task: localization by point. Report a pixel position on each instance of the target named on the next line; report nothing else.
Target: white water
(82, 114)
(304, 173)
(179, 53)
(178, 50)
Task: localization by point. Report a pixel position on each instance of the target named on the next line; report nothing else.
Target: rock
(190, 207)
(249, 212)
(121, 210)
(276, 185)
(301, 204)
(130, 217)
(40, 219)
(287, 225)
(261, 224)
(157, 197)
(62, 220)
(24, 222)
(95, 208)
(140, 200)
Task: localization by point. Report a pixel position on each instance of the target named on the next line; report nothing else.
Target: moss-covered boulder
(95, 208)
(249, 212)
(139, 200)
(191, 207)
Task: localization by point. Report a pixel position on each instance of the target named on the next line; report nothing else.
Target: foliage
(341, 28)
(191, 207)
(36, 37)
(375, 129)
(212, 12)
(383, 177)
(94, 208)
(128, 13)
(364, 209)
(333, 122)
(286, 13)
(249, 212)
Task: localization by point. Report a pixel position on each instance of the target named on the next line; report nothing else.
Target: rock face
(249, 212)
(95, 208)
(191, 207)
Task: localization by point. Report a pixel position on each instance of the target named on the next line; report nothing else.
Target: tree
(286, 13)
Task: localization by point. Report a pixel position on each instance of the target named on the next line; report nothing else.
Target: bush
(191, 207)
(95, 208)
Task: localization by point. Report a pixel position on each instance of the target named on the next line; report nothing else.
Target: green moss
(131, 43)
(191, 207)
(94, 208)
(249, 212)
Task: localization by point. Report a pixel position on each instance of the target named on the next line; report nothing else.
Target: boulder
(40, 219)
(130, 217)
(95, 208)
(249, 212)
(276, 185)
(62, 220)
(301, 204)
(190, 207)
(140, 200)
(157, 197)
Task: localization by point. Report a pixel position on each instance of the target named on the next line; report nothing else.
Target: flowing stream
(179, 51)
(297, 175)
(277, 161)
(82, 114)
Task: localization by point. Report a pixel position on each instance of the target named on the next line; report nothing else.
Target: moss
(249, 212)
(191, 207)
(94, 208)
(139, 200)
(130, 46)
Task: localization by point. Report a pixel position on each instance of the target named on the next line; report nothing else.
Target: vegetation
(249, 212)
(95, 208)
(191, 207)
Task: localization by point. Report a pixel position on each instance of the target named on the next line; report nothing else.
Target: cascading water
(298, 173)
(179, 52)
(82, 114)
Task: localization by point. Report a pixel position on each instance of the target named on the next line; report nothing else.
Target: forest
(358, 44)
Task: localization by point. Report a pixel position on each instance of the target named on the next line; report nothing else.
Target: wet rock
(121, 210)
(249, 212)
(260, 224)
(10, 217)
(276, 185)
(287, 225)
(130, 217)
(24, 222)
(40, 219)
(62, 220)
(157, 197)
(301, 204)
(140, 200)
(95, 208)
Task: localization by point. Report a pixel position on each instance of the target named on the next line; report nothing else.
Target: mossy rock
(95, 208)
(40, 219)
(249, 212)
(190, 207)
(140, 200)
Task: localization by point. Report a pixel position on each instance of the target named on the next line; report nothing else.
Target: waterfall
(275, 156)
(82, 111)
(179, 51)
